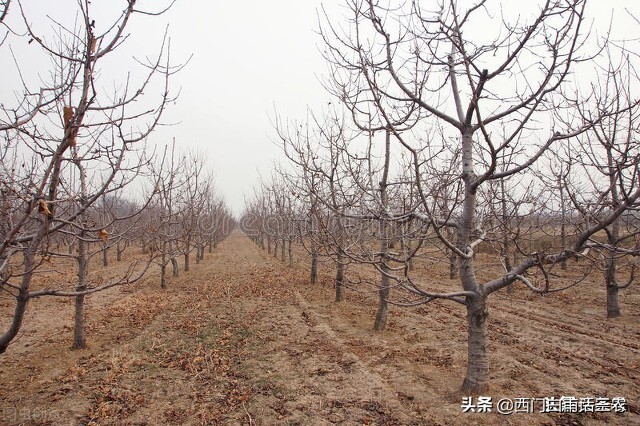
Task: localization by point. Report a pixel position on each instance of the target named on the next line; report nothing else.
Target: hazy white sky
(250, 58)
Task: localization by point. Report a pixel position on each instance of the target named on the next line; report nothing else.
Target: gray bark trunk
(340, 277)
(105, 255)
(313, 243)
(610, 268)
(79, 340)
(314, 265)
(22, 298)
(613, 307)
(187, 253)
(174, 266)
(163, 271)
(406, 248)
(613, 237)
(476, 380)
(563, 231)
(383, 307)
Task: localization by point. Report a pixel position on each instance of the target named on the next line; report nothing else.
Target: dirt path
(242, 339)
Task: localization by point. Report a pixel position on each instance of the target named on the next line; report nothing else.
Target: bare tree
(609, 171)
(67, 122)
(413, 66)
(316, 147)
(217, 222)
(197, 187)
(163, 214)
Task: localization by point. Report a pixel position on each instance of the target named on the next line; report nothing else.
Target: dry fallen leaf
(68, 115)
(104, 235)
(43, 208)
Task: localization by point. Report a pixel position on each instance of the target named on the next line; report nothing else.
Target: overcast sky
(250, 59)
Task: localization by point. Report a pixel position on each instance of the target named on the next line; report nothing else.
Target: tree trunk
(118, 252)
(163, 275)
(79, 340)
(312, 241)
(105, 255)
(163, 271)
(610, 266)
(563, 218)
(29, 263)
(383, 307)
(611, 262)
(290, 254)
(22, 298)
(314, 265)
(283, 244)
(18, 313)
(453, 267)
(187, 253)
(174, 265)
(340, 277)
(613, 308)
(476, 380)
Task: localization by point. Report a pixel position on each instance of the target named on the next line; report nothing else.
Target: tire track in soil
(302, 373)
(599, 345)
(566, 327)
(350, 362)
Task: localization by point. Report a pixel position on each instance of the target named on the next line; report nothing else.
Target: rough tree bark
(383, 304)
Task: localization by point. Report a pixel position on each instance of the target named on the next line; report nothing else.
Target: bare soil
(244, 339)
